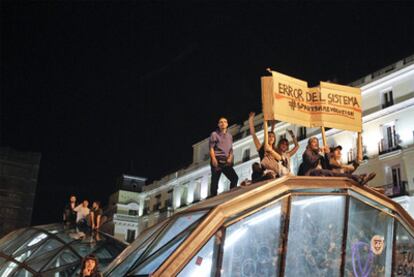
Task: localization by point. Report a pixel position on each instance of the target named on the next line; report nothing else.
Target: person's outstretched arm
(295, 141)
(253, 132)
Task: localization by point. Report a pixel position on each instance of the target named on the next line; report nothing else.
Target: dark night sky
(105, 88)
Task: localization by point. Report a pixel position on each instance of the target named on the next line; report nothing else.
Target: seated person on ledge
(317, 162)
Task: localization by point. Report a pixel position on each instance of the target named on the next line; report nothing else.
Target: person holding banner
(285, 155)
(275, 161)
(315, 160)
(221, 156)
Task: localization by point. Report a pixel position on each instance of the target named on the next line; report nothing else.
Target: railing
(395, 190)
(384, 147)
(123, 217)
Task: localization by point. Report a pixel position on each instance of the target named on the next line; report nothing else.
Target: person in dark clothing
(221, 156)
(96, 215)
(89, 267)
(69, 214)
(315, 160)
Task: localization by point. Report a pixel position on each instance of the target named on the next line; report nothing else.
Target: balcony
(395, 190)
(385, 147)
(123, 217)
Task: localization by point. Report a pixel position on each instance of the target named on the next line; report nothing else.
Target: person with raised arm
(283, 150)
(267, 151)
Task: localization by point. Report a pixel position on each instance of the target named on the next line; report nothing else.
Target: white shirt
(81, 212)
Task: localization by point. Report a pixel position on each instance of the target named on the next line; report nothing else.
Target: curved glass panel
(202, 263)
(131, 254)
(8, 269)
(368, 227)
(251, 246)
(174, 228)
(315, 236)
(156, 260)
(23, 273)
(403, 253)
(47, 251)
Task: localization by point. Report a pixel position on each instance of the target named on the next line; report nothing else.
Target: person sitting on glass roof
(267, 151)
(89, 267)
(337, 166)
(283, 150)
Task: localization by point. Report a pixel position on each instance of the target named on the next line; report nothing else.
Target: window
(130, 236)
(390, 138)
(302, 133)
(387, 99)
(184, 194)
(197, 190)
(246, 155)
(169, 200)
(157, 204)
(146, 206)
(133, 212)
(396, 175)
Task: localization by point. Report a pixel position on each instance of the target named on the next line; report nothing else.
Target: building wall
(18, 180)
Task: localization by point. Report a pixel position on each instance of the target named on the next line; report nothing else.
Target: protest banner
(330, 105)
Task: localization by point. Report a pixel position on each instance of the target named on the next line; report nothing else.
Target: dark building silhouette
(18, 180)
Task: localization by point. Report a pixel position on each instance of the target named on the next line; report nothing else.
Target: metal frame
(242, 199)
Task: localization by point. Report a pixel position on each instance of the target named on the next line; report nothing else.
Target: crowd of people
(82, 217)
(275, 158)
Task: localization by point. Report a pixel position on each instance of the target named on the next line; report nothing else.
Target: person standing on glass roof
(221, 156)
(69, 213)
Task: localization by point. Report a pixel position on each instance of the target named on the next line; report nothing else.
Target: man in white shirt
(82, 211)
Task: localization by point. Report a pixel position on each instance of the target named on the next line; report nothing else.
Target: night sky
(106, 88)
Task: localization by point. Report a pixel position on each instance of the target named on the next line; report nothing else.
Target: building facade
(18, 181)
(388, 148)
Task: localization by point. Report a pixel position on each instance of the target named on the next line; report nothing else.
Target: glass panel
(18, 241)
(9, 239)
(174, 228)
(65, 257)
(404, 253)
(126, 259)
(83, 248)
(369, 201)
(62, 272)
(50, 245)
(23, 273)
(314, 243)
(8, 269)
(369, 241)
(2, 260)
(201, 264)
(30, 244)
(251, 246)
(38, 262)
(154, 262)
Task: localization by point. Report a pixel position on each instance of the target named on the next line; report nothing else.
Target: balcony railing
(384, 147)
(395, 190)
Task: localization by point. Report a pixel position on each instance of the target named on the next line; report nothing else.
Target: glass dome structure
(293, 226)
(53, 250)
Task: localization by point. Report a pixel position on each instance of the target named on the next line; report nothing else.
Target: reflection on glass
(404, 253)
(315, 236)
(175, 228)
(251, 246)
(369, 241)
(201, 264)
(8, 269)
(154, 262)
